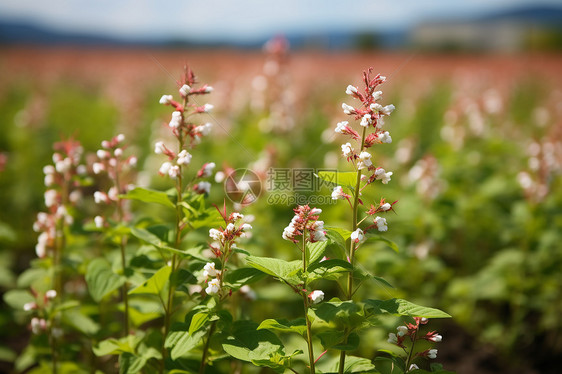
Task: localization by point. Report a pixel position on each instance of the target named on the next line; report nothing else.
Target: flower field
(221, 211)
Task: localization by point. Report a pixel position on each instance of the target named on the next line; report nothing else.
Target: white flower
(413, 367)
(350, 90)
(338, 193)
(184, 158)
(204, 129)
(346, 149)
(246, 227)
(402, 330)
(386, 206)
(29, 306)
(51, 294)
(203, 187)
(316, 296)
(100, 197)
(207, 108)
(209, 270)
(105, 144)
(230, 227)
(174, 171)
(381, 174)
(216, 235)
(366, 120)
(166, 99)
(208, 169)
(376, 107)
(318, 235)
(432, 353)
(213, 287)
(315, 211)
(386, 178)
(48, 169)
(347, 109)
(381, 223)
(377, 95)
(98, 167)
(113, 194)
(98, 220)
(133, 161)
(50, 198)
(184, 90)
(436, 338)
(384, 137)
(209, 89)
(159, 148)
(165, 168)
(176, 120)
(81, 169)
(341, 126)
(392, 338)
(37, 325)
(248, 292)
(388, 109)
(236, 216)
(358, 236)
(288, 232)
(120, 138)
(102, 154)
(49, 180)
(364, 160)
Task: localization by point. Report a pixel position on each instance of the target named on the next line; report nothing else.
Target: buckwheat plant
(111, 160)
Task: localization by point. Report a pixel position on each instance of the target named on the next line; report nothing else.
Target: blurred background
(476, 152)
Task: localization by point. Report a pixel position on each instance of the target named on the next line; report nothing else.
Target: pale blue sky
(241, 20)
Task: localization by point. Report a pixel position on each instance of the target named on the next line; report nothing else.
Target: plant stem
(122, 246)
(353, 245)
(411, 349)
(305, 303)
(206, 348)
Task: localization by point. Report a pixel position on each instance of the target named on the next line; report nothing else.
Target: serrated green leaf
(182, 342)
(402, 307)
(149, 196)
(281, 269)
(284, 325)
(328, 269)
(315, 251)
(101, 279)
(343, 314)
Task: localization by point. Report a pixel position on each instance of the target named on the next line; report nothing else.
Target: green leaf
(149, 196)
(281, 269)
(339, 178)
(389, 365)
(402, 307)
(130, 363)
(182, 342)
(150, 238)
(155, 285)
(239, 277)
(30, 276)
(80, 322)
(355, 364)
(315, 251)
(344, 314)
(328, 269)
(284, 325)
(336, 339)
(18, 298)
(383, 281)
(198, 321)
(101, 279)
(378, 238)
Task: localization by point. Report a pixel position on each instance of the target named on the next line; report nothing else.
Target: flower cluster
(63, 182)
(111, 160)
(371, 115)
(38, 323)
(187, 132)
(224, 239)
(410, 331)
(305, 223)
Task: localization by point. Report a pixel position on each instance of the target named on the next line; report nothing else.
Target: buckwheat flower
(206, 170)
(29, 306)
(318, 236)
(49, 180)
(413, 367)
(341, 127)
(113, 194)
(209, 89)
(184, 158)
(98, 167)
(204, 129)
(184, 90)
(338, 193)
(102, 154)
(384, 137)
(36, 325)
(209, 270)
(207, 108)
(364, 160)
(402, 330)
(159, 148)
(248, 292)
(202, 187)
(216, 235)
(351, 90)
(174, 171)
(120, 138)
(392, 338)
(366, 120)
(50, 198)
(381, 174)
(164, 168)
(132, 161)
(386, 206)
(246, 227)
(230, 227)
(176, 120)
(358, 236)
(166, 99)
(213, 287)
(98, 220)
(48, 169)
(316, 296)
(386, 177)
(388, 109)
(81, 169)
(100, 197)
(432, 353)
(348, 109)
(288, 233)
(376, 107)
(434, 337)
(381, 223)
(236, 216)
(105, 144)
(51, 294)
(377, 95)
(347, 150)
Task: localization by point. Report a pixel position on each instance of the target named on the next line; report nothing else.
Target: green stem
(206, 348)
(408, 360)
(353, 245)
(305, 303)
(123, 243)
